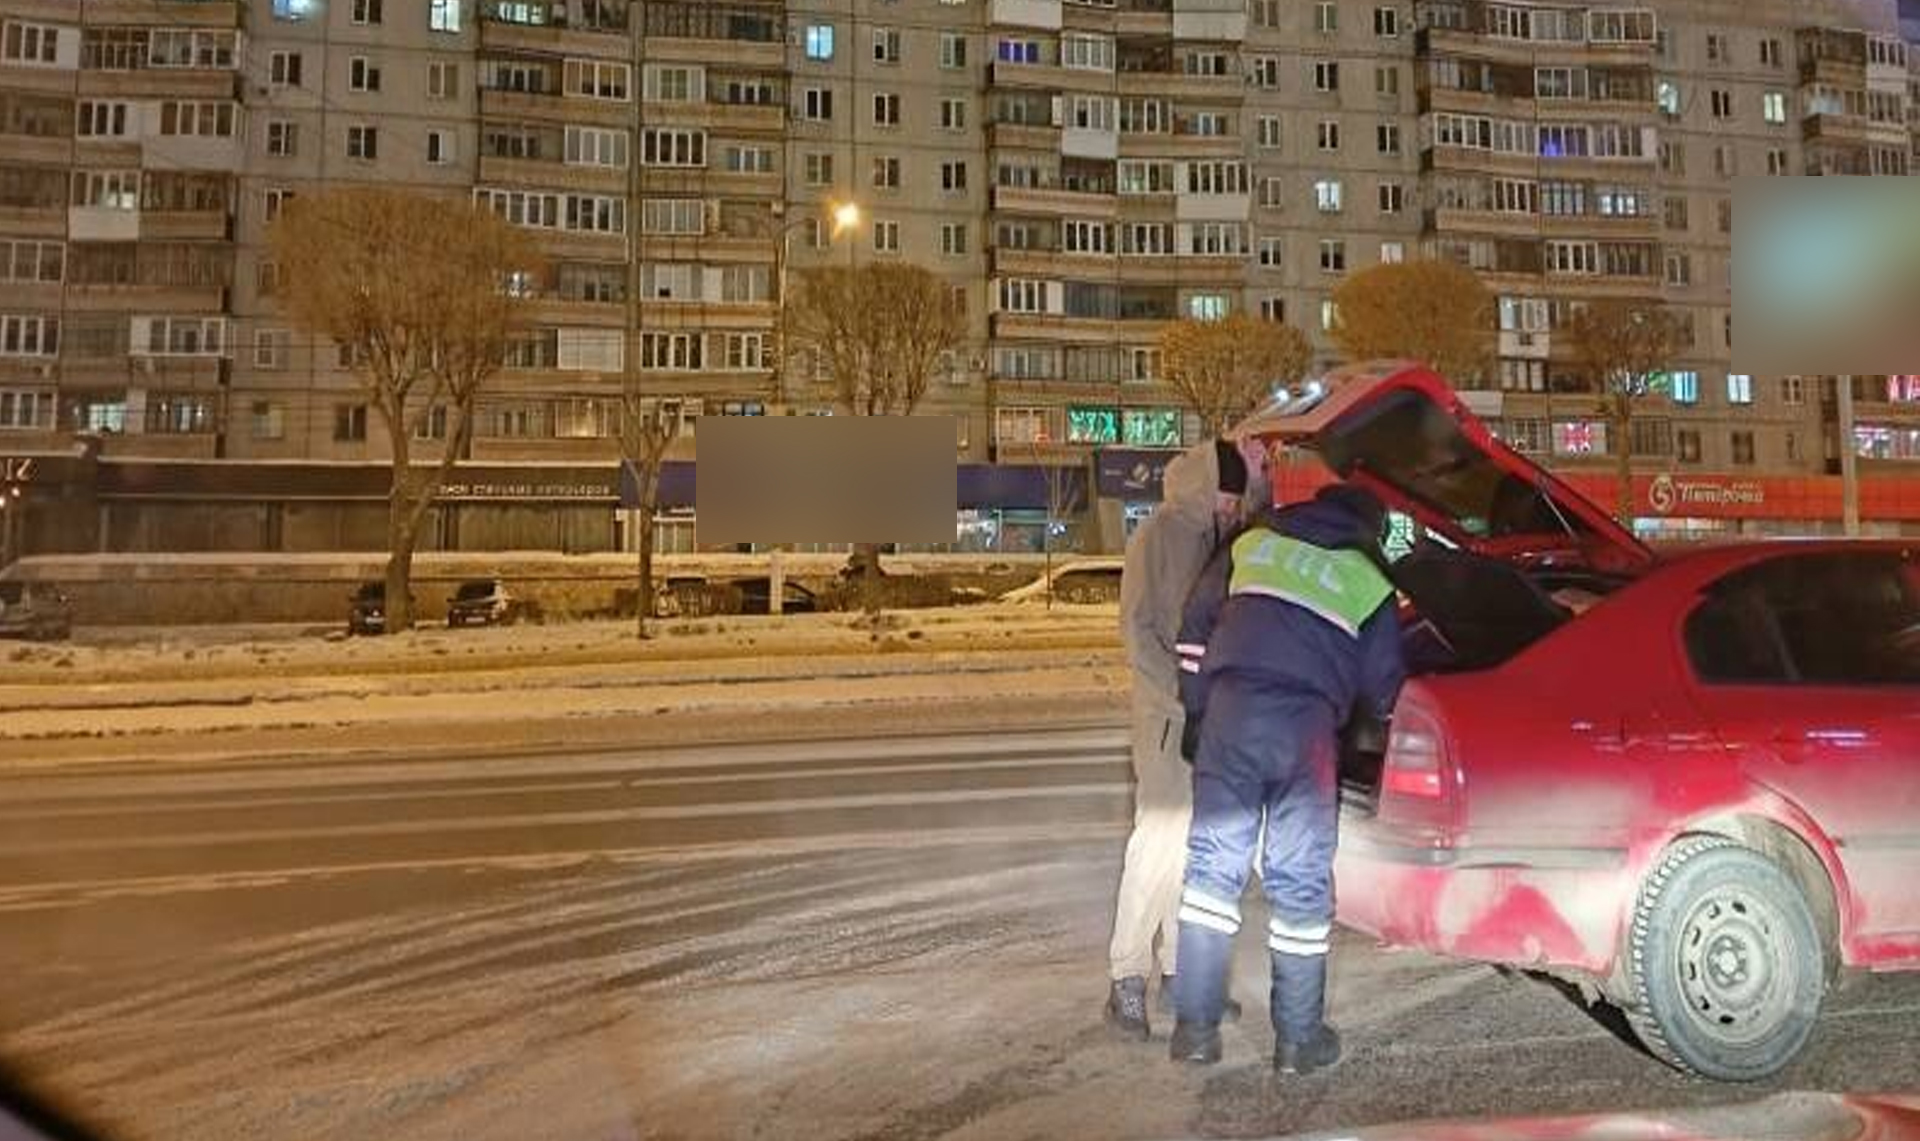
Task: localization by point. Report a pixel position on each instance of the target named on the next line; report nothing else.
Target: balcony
(161, 83)
(556, 37)
(727, 118)
(1041, 200)
(1023, 136)
(554, 107)
(737, 53)
(157, 13)
(121, 298)
(1834, 129)
(1047, 77)
(1217, 89)
(1057, 328)
(550, 174)
(1043, 14)
(46, 150)
(1169, 146)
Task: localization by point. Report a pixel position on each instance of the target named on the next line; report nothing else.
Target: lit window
(1739, 388)
(820, 41)
(1207, 306)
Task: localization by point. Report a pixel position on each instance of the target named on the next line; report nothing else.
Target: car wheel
(1727, 966)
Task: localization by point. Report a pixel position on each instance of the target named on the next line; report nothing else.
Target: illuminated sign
(1667, 493)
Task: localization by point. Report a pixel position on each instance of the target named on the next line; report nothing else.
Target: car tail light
(1416, 779)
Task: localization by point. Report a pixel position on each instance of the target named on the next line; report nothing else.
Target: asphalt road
(871, 938)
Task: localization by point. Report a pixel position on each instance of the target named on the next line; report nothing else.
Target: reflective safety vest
(1343, 587)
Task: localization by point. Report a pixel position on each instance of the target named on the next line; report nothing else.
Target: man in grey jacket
(1206, 493)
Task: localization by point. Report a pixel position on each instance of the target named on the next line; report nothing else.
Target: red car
(1695, 792)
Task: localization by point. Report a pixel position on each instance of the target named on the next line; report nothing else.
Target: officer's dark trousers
(1264, 754)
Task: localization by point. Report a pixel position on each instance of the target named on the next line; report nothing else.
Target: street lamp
(844, 217)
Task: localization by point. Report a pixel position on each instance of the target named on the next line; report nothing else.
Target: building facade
(1080, 171)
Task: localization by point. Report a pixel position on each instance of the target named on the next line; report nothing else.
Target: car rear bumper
(1531, 907)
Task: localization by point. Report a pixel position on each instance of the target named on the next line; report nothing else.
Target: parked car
(486, 602)
(1697, 796)
(1080, 580)
(36, 610)
(368, 608)
(754, 594)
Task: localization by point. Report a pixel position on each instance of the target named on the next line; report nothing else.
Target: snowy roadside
(577, 685)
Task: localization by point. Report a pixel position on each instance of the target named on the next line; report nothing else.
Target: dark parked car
(1686, 782)
(37, 610)
(369, 613)
(486, 602)
(755, 593)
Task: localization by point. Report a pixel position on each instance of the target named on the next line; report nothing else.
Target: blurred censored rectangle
(826, 479)
(1826, 275)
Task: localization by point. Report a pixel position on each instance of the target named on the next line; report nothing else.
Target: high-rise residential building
(1080, 171)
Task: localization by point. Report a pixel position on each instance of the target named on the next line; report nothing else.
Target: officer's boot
(1199, 993)
(1127, 1007)
(1303, 1042)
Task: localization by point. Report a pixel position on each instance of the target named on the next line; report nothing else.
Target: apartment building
(1081, 172)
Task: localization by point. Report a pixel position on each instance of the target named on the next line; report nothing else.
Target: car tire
(1726, 962)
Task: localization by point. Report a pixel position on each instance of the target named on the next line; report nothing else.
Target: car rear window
(1846, 618)
(475, 589)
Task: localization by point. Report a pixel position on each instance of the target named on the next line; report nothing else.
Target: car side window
(1849, 618)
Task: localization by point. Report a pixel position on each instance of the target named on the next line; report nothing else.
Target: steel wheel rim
(1730, 961)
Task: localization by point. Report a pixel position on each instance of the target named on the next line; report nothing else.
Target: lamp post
(1849, 457)
(843, 217)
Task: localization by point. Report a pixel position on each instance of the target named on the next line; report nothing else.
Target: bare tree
(881, 330)
(1225, 369)
(647, 430)
(1064, 498)
(416, 289)
(1435, 312)
(1626, 346)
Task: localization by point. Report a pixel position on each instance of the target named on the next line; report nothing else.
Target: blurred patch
(1826, 275)
(826, 479)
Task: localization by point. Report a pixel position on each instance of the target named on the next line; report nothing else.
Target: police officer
(1290, 628)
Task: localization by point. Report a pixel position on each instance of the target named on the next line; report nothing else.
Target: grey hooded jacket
(1164, 559)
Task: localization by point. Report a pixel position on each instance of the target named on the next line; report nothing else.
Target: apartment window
(1326, 17)
(441, 148)
(1328, 195)
(1724, 164)
(1386, 81)
(1743, 451)
(595, 146)
(1333, 255)
(1687, 445)
(94, 120)
(1091, 113)
(748, 160)
(1770, 55)
(1266, 13)
(283, 69)
(816, 104)
(1266, 72)
(1722, 103)
(953, 177)
(1216, 178)
(1269, 132)
(205, 120)
(953, 50)
(366, 11)
(1777, 163)
(1773, 106)
(1393, 253)
(1208, 306)
(886, 237)
(1329, 135)
(1723, 215)
(1716, 48)
(953, 238)
(1563, 142)
(522, 207)
(886, 45)
(1086, 53)
(886, 110)
(276, 200)
(27, 261)
(1217, 239)
(672, 352)
(443, 80)
(662, 146)
(362, 75)
(662, 83)
(1386, 23)
(363, 143)
(1081, 237)
(1147, 239)
(886, 172)
(1392, 198)
(819, 39)
(23, 335)
(1793, 390)
(1679, 269)
(283, 138)
(746, 284)
(1326, 76)
(818, 169)
(349, 423)
(1272, 251)
(1573, 257)
(1516, 196)
(953, 114)
(1387, 138)
(597, 79)
(1675, 208)
(1684, 387)
(1673, 158)
(1022, 295)
(444, 15)
(1273, 192)
(1739, 388)
(596, 214)
(1580, 437)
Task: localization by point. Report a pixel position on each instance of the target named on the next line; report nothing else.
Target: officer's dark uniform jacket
(1311, 609)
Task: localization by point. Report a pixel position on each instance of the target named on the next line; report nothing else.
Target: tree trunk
(1621, 425)
(401, 533)
(649, 491)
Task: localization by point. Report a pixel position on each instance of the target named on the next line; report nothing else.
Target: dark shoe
(1127, 1007)
(1229, 1011)
(1319, 1052)
(1199, 1045)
